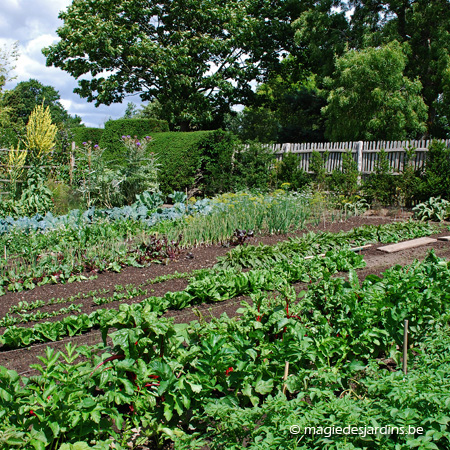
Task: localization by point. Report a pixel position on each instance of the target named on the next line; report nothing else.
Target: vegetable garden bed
(258, 396)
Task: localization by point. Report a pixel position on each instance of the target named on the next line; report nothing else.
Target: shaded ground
(201, 257)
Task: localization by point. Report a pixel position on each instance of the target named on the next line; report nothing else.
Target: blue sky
(33, 24)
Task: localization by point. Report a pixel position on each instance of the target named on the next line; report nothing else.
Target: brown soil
(201, 257)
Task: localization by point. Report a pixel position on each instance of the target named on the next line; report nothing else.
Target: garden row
(222, 384)
(86, 244)
(205, 286)
(225, 280)
(71, 253)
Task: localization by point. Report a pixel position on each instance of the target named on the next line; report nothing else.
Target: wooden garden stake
(405, 347)
(72, 163)
(286, 374)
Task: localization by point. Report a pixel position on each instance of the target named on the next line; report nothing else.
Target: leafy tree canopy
(197, 58)
(332, 27)
(152, 110)
(370, 98)
(286, 108)
(296, 103)
(28, 94)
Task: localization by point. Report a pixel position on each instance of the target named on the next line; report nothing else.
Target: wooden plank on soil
(444, 238)
(407, 244)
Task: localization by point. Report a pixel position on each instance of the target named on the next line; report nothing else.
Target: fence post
(359, 159)
(72, 163)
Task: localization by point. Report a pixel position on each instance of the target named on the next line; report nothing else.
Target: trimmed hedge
(201, 159)
(180, 156)
(217, 166)
(86, 134)
(115, 129)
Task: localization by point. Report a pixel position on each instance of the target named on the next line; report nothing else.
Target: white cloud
(33, 24)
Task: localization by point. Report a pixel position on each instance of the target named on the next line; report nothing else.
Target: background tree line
(326, 69)
(303, 71)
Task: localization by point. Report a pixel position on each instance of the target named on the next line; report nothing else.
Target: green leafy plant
(36, 197)
(408, 183)
(96, 181)
(140, 172)
(251, 166)
(380, 187)
(217, 150)
(436, 209)
(435, 179)
(317, 166)
(345, 180)
(150, 200)
(178, 197)
(288, 171)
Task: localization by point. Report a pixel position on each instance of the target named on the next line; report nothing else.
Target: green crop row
(250, 256)
(221, 384)
(9, 320)
(207, 286)
(24, 306)
(240, 257)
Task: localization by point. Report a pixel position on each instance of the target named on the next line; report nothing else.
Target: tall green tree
(329, 28)
(283, 112)
(295, 101)
(254, 124)
(370, 98)
(197, 58)
(26, 95)
(131, 111)
(286, 107)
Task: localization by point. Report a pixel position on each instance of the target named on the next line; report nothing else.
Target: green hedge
(115, 129)
(217, 166)
(201, 159)
(180, 156)
(86, 134)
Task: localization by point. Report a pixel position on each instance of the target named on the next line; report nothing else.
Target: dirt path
(20, 359)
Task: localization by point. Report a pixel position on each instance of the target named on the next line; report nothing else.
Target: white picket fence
(364, 153)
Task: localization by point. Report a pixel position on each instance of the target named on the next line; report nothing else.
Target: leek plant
(278, 213)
